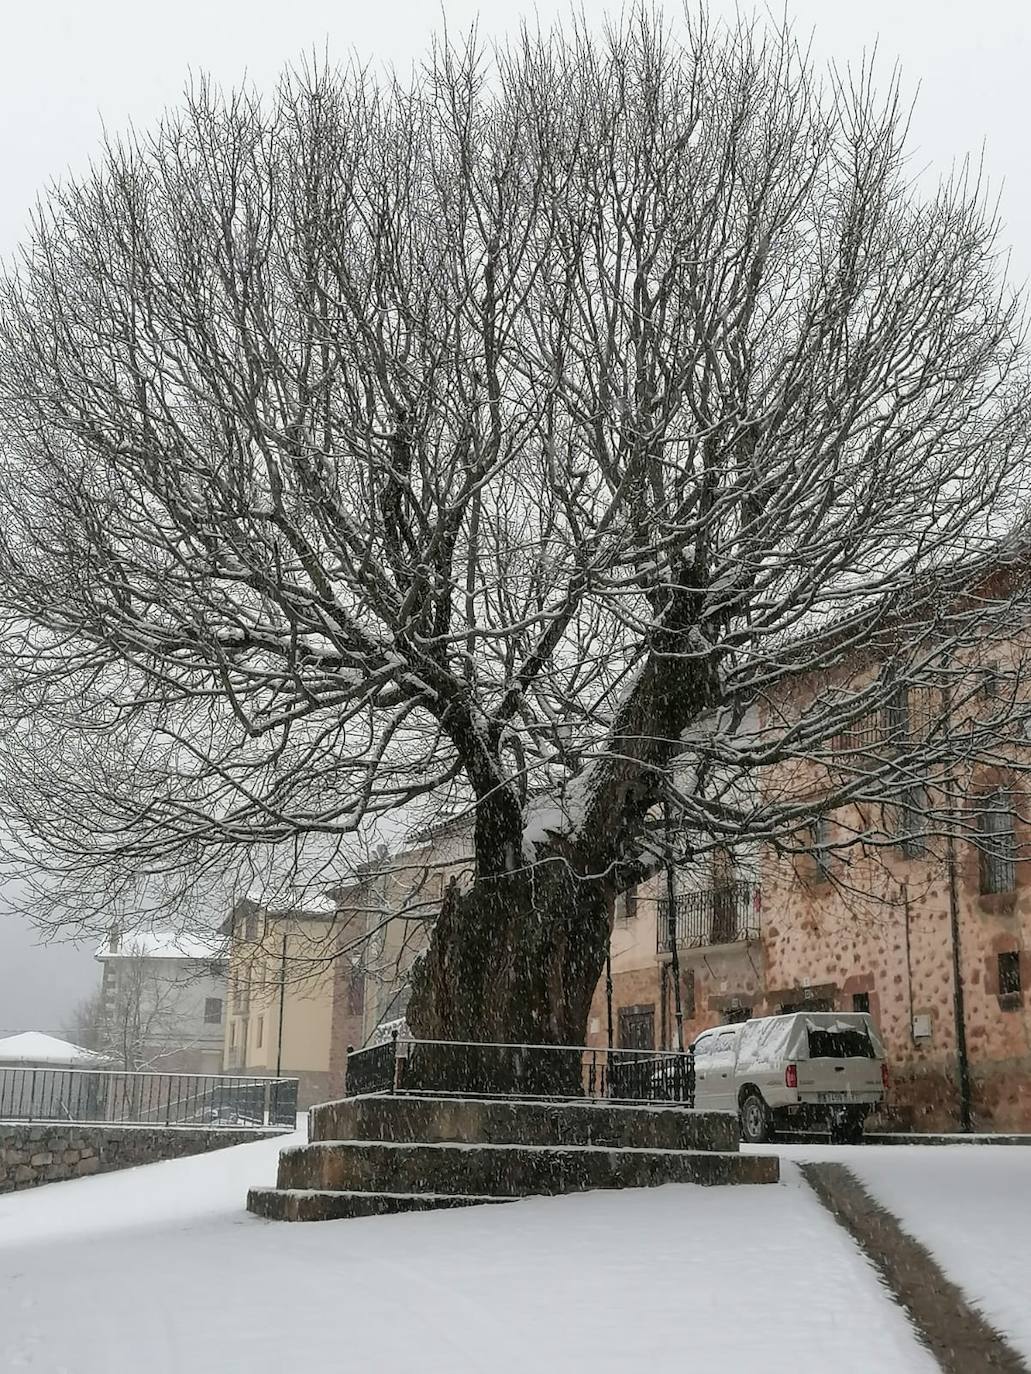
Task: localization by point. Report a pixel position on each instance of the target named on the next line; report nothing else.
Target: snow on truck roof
(819, 1018)
(764, 1041)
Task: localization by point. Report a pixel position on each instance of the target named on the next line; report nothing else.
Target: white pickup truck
(801, 1071)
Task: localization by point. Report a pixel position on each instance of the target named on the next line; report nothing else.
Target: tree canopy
(490, 439)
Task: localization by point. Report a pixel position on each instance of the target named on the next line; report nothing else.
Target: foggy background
(68, 70)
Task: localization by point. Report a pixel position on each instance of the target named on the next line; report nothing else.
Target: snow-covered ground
(160, 1269)
(969, 1204)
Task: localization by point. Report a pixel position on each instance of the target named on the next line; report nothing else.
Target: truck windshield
(839, 1042)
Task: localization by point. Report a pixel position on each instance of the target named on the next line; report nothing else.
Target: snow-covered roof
(161, 944)
(33, 1047)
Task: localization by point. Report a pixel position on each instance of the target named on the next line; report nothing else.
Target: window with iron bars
(908, 819)
(904, 720)
(1009, 974)
(997, 842)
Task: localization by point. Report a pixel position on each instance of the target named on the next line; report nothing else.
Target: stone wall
(50, 1152)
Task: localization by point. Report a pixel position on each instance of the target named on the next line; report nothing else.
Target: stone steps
(377, 1154)
(472, 1121)
(321, 1204)
(508, 1170)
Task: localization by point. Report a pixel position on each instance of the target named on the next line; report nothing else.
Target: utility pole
(282, 999)
(672, 932)
(608, 990)
(958, 1000)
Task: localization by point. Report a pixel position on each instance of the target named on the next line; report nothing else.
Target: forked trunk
(515, 961)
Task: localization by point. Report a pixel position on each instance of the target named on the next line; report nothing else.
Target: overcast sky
(69, 68)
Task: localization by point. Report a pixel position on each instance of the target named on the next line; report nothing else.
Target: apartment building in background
(162, 1002)
(308, 983)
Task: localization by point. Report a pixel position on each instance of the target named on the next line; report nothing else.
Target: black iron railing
(560, 1072)
(721, 915)
(371, 1070)
(95, 1096)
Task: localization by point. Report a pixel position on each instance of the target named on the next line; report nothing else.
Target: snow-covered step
(508, 1170)
(479, 1121)
(321, 1204)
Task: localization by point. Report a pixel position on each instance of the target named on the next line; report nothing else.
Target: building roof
(33, 1047)
(161, 944)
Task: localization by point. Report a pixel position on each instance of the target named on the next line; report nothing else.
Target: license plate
(833, 1097)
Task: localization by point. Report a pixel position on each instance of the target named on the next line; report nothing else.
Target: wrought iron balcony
(723, 915)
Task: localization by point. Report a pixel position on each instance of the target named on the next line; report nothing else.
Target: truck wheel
(755, 1118)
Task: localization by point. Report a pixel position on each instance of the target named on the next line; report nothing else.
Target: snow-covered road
(970, 1205)
(160, 1269)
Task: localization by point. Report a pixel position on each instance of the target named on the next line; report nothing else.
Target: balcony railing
(723, 915)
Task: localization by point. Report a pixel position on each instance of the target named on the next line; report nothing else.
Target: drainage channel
(957, 1335)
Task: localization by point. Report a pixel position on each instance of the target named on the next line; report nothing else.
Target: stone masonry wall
(49, 1152)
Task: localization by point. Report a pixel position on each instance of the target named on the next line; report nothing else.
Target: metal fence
(562, 1072)
(97, 1096)
(721, 915)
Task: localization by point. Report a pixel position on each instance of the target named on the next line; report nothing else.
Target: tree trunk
(517, 959)
(514, 961)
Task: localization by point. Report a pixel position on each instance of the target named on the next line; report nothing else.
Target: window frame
(910, 837)
(1009, 974)
(997, 860)
(820, 847)
(209, 1003)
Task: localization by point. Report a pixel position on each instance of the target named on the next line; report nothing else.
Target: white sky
(68, 68)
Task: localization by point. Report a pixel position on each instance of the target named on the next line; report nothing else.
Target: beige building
(295, 997)
(307, 984)
(405, 891)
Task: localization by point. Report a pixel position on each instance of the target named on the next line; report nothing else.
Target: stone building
(931, 936)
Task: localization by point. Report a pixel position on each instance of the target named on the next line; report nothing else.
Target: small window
(1009, 975)
(847, 1043)
(626, 905)
(212, 1011)
(821, 841)
(260, 1036)
(861, 1001)
(234, 1027)
(910, 822)
(355, 992)
(637, 1028)
(997, 842)
(251, 932)
(989, 686)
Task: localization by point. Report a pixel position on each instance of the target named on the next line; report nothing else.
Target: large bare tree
(492, 440)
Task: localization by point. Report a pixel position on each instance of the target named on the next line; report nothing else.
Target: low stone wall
(52, 1151)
